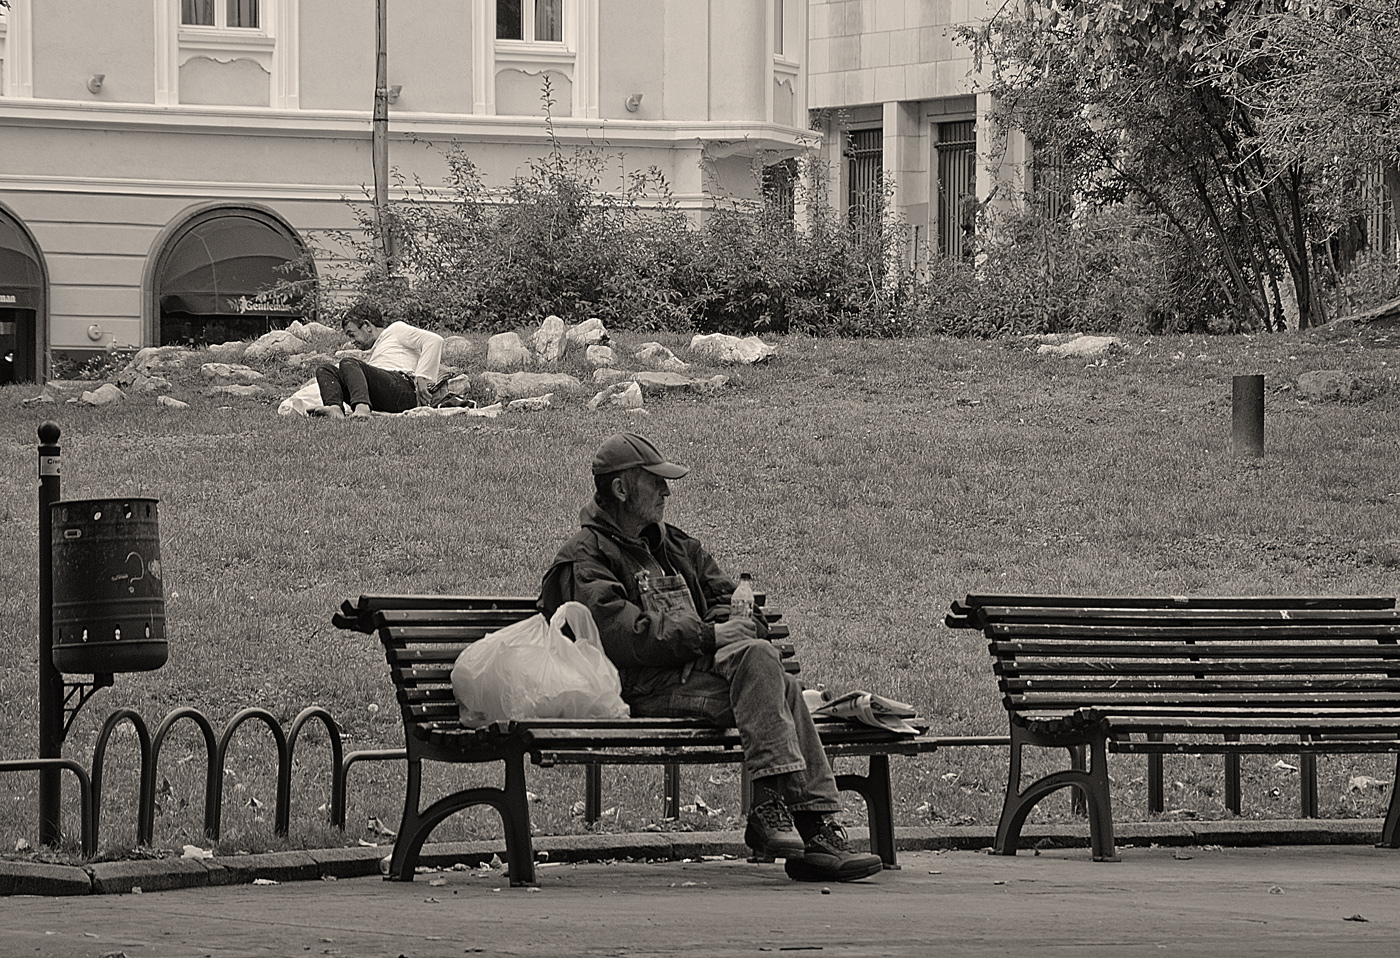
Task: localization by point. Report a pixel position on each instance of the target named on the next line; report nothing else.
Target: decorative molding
(19, 50)
(483, 57)
(286, 80)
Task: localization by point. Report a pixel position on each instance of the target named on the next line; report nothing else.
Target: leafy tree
(1322, 79)
(1143, 102)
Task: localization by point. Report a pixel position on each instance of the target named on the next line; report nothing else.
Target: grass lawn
(864, 484)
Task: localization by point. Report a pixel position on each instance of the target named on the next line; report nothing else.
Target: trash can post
(50, 679)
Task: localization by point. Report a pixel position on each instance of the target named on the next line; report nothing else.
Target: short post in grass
(1248, 405)
(50, 679)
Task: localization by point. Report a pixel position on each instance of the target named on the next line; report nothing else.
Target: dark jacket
(599, 567)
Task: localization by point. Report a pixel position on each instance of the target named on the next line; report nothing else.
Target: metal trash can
(108, 603)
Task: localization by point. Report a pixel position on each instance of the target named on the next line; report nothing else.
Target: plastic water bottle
(741, 603)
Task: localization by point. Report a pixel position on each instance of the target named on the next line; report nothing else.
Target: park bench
(422, 637)
(1185, 675)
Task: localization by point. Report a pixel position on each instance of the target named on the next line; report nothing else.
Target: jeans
(358, 383)
(743, 684)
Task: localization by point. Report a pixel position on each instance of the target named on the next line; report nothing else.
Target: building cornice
(196, 190)
(340, 124)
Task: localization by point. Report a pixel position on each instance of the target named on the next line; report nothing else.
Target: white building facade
(159, 159)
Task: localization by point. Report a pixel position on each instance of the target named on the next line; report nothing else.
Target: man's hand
(424, 388)
(734, 630)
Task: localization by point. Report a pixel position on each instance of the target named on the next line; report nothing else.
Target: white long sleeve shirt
(408, 349)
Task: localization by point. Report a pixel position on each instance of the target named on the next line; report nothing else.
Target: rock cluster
(521, 373)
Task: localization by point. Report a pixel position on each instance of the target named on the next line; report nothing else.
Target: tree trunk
(1392, 190)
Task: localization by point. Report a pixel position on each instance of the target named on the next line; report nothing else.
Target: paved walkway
(1280, 902)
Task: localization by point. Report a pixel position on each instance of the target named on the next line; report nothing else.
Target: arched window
(22, 312)
(213, 268)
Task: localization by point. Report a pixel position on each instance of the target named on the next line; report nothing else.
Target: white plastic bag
(531, 670)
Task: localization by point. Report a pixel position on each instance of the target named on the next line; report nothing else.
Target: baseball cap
(625, 450)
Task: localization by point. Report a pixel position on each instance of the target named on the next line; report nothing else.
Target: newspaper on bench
(871, 709)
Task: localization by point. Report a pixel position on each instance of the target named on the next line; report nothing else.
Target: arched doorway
(23, 315)
(212, 268)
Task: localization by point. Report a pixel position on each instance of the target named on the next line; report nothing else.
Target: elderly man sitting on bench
(661, 603)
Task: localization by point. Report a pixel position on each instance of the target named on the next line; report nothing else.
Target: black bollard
(1248, 429)
(50, 679)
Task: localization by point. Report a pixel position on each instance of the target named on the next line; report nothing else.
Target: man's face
(363, 334)
(646, 500)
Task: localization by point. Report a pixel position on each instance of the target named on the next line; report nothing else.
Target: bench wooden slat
(977, 600)
(1076, 670)
(1211, 686)
(1275, 631)
(1137, 618)
(1260, 700)
(1127, 650)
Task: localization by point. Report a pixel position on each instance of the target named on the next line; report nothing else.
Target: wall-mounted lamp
(394, 92)
(634, 102)
(94, 83)
(96, 332)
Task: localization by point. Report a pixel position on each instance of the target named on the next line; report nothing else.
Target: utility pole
(380, 141)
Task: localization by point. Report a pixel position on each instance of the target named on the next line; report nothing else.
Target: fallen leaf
(1359, 783)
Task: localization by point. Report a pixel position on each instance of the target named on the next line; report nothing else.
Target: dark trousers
(357, 382)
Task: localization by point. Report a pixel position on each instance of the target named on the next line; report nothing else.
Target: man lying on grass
(397, 375)
(661, 603)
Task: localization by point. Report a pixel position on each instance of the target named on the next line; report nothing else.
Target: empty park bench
(1186, 675)
(422, 637)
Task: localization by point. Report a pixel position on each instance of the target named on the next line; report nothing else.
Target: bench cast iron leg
(874, 787)
(1156, 794)
(1093, 784)
(1232, 778)
(510, 802)
(1390, 832)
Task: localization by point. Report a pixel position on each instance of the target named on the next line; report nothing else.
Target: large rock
(626, 395)
(531, 403)
(157, 357)
(658, 355)
(230, 373)
(606, 376)
(151, 385)
(732, 349)
(1081, 347)
(548, 341)
(524, 385)
(170, 402)
(590, 332)
(302, 360)
(1331, 385)
(660, 383)
(457, 349)
(506, 351)
(229, 352)
(103, 395)
(600, 355)
(277, 344)
(316, 330)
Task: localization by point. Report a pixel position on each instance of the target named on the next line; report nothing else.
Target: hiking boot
(771, 834)
(828, 857)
